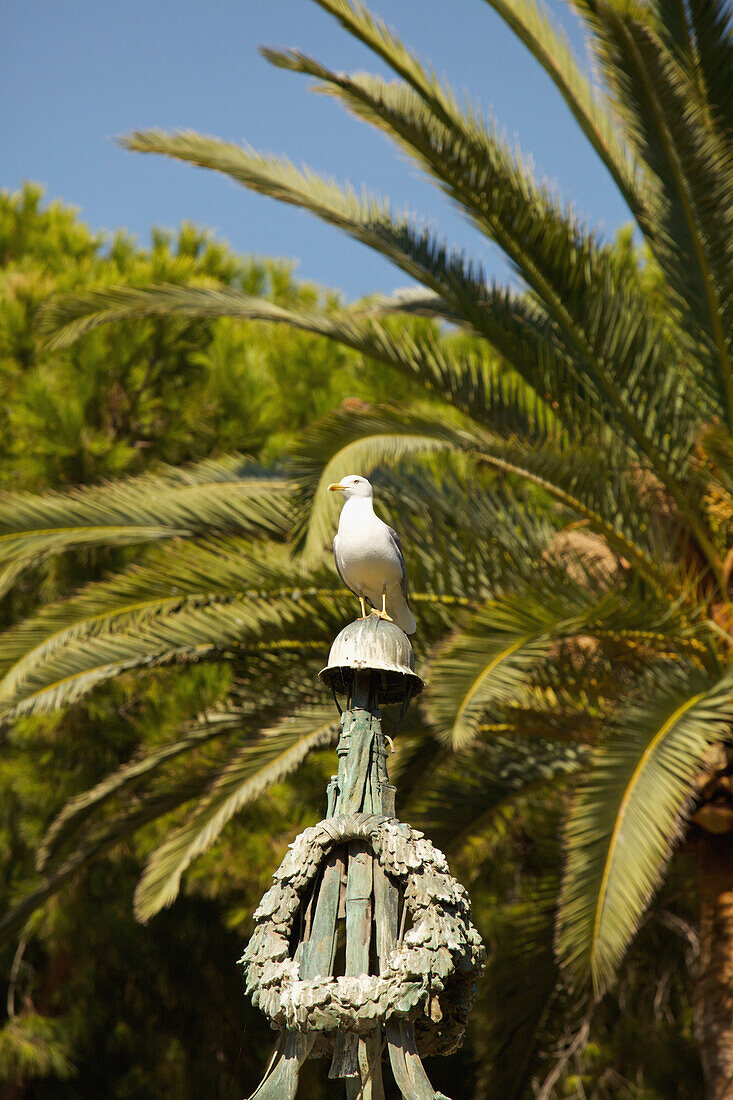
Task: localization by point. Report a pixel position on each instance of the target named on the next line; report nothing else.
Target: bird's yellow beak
(336, 488)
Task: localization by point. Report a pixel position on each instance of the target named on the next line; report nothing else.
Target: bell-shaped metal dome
(373, 645)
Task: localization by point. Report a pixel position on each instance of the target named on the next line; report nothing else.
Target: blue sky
(74, 75)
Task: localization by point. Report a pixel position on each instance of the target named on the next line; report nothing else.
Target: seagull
(368, 555)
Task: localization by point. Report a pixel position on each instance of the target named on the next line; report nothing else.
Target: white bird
(368, 555)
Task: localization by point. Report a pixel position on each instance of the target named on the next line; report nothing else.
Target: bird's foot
(383, 615)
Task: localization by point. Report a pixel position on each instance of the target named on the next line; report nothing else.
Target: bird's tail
(399, 609)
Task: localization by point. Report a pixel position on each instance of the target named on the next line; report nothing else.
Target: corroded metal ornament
(430, 973)
(377, 646)
(410, 956)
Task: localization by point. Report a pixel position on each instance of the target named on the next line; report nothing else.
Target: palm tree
(593, 604)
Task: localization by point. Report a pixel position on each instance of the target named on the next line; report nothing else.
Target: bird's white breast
(366, 548)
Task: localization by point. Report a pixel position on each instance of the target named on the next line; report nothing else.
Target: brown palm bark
(713, 999)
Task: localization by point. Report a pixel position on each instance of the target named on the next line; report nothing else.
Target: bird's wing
(339, 564)
(396, 543)
(341, 569)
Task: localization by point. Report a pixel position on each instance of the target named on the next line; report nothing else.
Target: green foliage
(556, 457)
(631, 811)
(249, 772)
(135, 752)
(34, 1046)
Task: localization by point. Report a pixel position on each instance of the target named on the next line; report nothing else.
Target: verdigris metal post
(357, 792)
(410, 955)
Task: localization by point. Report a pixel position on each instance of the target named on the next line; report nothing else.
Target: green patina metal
(402, 981)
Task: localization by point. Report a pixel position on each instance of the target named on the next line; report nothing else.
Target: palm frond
(713, 31)
(470, 789)
(415, 300)
(416, 253)
(256, 766)
(591, 486)
(184, 575)
(490, 396)
(494, 660)
(191, 630)
(521, 331)
(630, 813)
(465, 533)
(368, 219)
(601, 320)
(690, 222)
(358, 439)
(486, 664)
(548, 44)
(468, 378)
(92, 847)
(230, 494)
(213, 724)
(68, 317)
(209, 599)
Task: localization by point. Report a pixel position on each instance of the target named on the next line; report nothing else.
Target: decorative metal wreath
(431, 974)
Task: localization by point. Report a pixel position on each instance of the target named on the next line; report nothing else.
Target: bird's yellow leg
(383, 613)
(363, 607)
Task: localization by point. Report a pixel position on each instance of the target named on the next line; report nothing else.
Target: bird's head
(352, 486)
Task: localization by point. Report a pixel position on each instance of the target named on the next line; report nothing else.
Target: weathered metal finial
(382, 648)
(364, 944)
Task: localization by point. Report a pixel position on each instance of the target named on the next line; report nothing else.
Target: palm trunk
(713, 1003)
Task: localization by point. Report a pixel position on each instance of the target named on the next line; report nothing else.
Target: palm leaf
(256, 766)
(193, 630)
(213, 724)
(229, 494)
(712, 27)
(415, 300)
(469, 791)
(548, 44)
(494, 660)
(591, 486)
(517, 329)
(184, 574)
(468, 378)
(486, 664)
(690, 224)
(92, 847)
(209, 599)
(358, 439)
(604, 322)
(68, 317)
(465, 534)
(522, 332)
(368, 219)
(628, 816)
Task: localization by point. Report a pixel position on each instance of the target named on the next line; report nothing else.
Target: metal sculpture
(366, 894)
